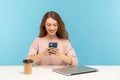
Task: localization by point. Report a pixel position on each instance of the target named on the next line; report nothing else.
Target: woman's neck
(48, 37)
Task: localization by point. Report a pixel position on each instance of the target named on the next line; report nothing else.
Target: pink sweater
(40, 44)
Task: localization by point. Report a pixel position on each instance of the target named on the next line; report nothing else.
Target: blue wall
(93, 26)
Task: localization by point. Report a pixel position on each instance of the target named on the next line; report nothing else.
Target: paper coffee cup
(28, 66)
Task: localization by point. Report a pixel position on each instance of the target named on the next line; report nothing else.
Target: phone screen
(52, 44)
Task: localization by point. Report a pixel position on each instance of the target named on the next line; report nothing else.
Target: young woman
(52, 29)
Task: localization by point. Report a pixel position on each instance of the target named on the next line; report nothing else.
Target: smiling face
(51, 26)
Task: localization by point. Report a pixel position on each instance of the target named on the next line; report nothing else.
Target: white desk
(46, 73)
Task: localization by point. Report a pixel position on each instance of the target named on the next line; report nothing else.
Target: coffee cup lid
(27, 61)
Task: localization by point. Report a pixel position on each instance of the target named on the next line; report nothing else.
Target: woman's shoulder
(37, 39)
(65, 41)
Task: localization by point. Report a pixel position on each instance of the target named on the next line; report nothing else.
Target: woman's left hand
(63, 57)
(54, 51)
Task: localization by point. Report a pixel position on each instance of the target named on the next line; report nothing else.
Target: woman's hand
(46, 52)
(54, 51)
(50, 51)
(64, 57)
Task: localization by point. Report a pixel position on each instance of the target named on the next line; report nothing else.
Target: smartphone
(52, 44)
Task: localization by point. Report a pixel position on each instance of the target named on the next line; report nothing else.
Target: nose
(52, 27)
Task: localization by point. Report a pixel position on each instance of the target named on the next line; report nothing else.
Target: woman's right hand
(46, 52)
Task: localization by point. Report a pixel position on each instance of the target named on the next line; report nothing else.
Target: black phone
(52, 44)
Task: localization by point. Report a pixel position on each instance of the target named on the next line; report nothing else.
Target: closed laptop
(74, 70)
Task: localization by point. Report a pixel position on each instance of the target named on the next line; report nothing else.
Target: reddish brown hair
(61, 33)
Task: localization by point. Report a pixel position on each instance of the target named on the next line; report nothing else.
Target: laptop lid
(74, 70)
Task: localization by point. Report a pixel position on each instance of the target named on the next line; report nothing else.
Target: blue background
(93, 27)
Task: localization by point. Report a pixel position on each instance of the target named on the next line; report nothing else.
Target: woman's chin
(52, 34)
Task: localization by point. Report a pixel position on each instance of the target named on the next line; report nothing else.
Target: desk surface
(46, 73)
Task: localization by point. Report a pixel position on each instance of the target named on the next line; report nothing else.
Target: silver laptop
(74, 70)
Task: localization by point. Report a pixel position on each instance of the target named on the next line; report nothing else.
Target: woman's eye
(55, 25)
(48, 24)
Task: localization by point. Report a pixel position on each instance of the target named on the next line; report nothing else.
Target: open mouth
(51, 31)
